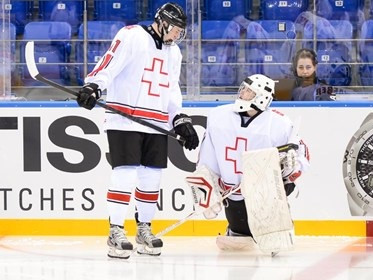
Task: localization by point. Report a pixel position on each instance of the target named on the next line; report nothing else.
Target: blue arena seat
(216, 54)
(347, 10)
(227, 10)
(336, 71)
(338, 31)
(67, 11)
(52, 50)
(365, 50)
(333, 54)
(155, 4)
(282, 10)
(20, 13)
(269, 48)
(116, 10)
(99, 36)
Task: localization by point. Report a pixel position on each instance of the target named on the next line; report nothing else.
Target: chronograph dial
(358, 169)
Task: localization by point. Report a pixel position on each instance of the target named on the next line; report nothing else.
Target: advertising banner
(54, 164)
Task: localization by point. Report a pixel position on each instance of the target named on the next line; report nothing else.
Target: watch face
(358, 166)
(364, 166)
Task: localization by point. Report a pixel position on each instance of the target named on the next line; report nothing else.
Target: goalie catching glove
(88, 95)
(183, 126)
(205, 192)
(290, 168)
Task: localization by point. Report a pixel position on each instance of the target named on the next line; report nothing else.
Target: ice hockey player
(248, 124)
(140, 72)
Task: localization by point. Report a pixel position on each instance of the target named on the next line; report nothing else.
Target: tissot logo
(35, 137)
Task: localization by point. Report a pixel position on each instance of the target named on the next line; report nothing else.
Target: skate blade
(118, 254)
(145, 250)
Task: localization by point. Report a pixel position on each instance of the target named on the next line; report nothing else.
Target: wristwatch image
(358, 170)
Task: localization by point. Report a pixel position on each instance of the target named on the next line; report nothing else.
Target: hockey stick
(34, 72)
(194, 213)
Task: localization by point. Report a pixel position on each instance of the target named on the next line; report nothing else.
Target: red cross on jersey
(233, 154)
(157, 74)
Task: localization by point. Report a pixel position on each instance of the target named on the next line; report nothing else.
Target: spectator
(307, 86)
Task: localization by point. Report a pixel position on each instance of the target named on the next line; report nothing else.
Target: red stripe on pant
(121, 197)
(145, 196)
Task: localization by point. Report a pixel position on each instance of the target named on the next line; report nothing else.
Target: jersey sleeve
(115, 59)
(207, 152)
(175, 103)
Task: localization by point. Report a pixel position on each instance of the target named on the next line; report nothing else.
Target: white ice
(189, 258)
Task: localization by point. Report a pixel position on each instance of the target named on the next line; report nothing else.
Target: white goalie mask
(261, 87)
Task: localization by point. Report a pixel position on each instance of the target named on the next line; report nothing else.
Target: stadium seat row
(70, 11)
(269, 48)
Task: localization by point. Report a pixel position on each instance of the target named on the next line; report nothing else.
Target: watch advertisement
(54, 164)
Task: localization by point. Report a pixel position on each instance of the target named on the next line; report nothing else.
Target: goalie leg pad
(265, 199)
(235, 241)
(225, 242)
(205, 192)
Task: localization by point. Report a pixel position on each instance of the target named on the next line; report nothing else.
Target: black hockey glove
(183, 127)
(88, 95)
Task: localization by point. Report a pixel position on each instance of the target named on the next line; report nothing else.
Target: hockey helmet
(262, 86)
(173, 15)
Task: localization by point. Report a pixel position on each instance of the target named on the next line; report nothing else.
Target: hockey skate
(119, 246)
(235, 241)
(147, 243)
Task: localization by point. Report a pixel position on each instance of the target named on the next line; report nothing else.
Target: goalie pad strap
(227, 187)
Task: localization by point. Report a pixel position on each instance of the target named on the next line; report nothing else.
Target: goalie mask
(255, 92)
(171, 18)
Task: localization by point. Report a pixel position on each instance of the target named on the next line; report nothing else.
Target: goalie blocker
(205, 192)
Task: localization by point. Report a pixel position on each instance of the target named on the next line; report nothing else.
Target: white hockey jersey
(140, 80)
(226, 138)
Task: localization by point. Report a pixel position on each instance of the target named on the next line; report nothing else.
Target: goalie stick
(34, 72)
(194, 213)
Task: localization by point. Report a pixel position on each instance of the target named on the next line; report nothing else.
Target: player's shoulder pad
(221, 110)
(279, 116)
(132, 31)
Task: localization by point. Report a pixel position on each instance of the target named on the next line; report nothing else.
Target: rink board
(55, 172)
(189, 228)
